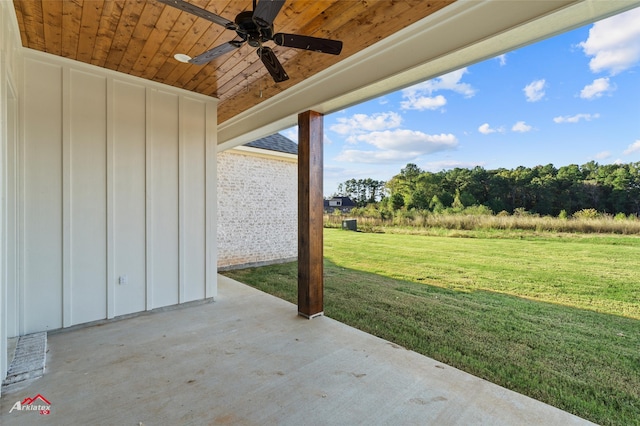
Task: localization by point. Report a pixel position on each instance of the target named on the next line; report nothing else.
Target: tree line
(544, 190)
(362, 191)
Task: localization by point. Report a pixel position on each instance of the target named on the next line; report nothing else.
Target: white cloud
(410, 140)
(292, 133)
(326, 140)
(634, 147)
(575, 118)
(595, 90)
(486, 129)
(424, 102)
(534, 91)
(602, 155)
(614, 43)
(450, 81)
(359, 123)
(333, 172)
(398, 145)
(502, 59)
(521, 127)
(376, 157)
(420, 97)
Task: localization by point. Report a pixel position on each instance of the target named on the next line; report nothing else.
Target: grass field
(553, 317)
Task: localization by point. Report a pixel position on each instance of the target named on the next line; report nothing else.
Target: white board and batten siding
(9, 78)
(118, 194)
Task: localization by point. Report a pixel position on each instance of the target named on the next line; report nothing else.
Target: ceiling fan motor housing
(248, 30)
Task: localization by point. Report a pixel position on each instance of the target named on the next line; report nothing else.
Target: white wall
(257, 207)
(115, 171)
(9, 72)
(102, 175)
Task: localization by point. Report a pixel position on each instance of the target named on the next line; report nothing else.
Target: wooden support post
(310, 210)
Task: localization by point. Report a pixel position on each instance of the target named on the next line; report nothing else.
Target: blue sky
(570, 99)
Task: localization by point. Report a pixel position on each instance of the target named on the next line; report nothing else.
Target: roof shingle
(275, 142)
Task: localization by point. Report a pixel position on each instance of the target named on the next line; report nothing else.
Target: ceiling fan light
(181, 57)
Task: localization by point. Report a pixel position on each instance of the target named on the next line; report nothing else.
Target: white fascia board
(265, 153)
(459, 35)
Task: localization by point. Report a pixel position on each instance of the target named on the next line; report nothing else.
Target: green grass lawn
(555, 318)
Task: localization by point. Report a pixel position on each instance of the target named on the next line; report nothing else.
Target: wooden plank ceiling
(140, 37)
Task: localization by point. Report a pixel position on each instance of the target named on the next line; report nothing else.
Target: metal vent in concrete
(28, 360)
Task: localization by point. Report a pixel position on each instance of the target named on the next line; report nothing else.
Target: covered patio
(247, 358)
(108, 176)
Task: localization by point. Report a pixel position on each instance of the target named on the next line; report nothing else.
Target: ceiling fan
(255, 27)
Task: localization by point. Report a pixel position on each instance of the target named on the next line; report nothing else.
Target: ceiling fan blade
(217, 51)
(324, 45)
(272, 64)
(202, 13)
(266, 11)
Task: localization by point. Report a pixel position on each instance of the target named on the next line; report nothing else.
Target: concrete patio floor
(248, 359)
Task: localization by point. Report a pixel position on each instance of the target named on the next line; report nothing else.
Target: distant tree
(362, 191)
(457, 202)
(436, 205)
(397, 201)
(410, 171)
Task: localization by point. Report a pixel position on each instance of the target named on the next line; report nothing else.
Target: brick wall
(257, 208)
